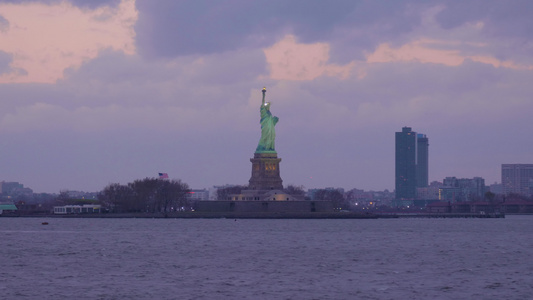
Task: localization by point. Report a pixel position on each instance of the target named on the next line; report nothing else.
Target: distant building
(430, 192)
(422, 160)
(80, 194)
(7, 206)
(7, 188)
(77, 209)
(518, 179)
(496, 188)
(195, 195)
(360, 198)
(462, 189)
(405, 164)
(214, 191)
(14, 189)
(411, 163)
(439, 207)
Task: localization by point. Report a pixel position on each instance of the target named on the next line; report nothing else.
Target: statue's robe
(268, 133)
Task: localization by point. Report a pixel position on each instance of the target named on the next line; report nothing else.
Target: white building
(77, 209)
(198, 195)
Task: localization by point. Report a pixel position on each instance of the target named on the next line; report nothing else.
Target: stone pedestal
(265, 172)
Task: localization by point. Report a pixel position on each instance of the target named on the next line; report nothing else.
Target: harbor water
(78, 258)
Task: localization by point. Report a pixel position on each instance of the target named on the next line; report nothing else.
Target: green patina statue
(268, 133)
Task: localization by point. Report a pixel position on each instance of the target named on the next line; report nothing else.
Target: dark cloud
(501, 18)
(94, 3)
(80, 3)
(174, 28)
(113, 67)
(5, 60)
(4, 24)
(508, 24)
(196, 81)
(15, 96)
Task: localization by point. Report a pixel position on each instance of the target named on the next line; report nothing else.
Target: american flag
(163, 176)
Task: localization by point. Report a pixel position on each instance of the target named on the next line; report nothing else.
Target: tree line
(146, 195)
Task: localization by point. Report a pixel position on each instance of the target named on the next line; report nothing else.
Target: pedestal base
(265, 172)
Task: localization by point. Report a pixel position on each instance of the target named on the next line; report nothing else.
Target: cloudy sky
(97, 92)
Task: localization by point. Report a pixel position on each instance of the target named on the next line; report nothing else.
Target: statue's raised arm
(268, 133)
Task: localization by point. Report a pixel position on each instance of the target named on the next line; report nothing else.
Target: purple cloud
(174, 28)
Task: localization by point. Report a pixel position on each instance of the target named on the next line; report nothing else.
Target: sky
(109, 91)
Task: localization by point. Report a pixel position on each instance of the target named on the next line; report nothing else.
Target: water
(266, 259)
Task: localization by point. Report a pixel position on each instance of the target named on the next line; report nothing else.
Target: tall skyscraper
(422, 159)
(518, 179)
(412, 155)
(406, 164)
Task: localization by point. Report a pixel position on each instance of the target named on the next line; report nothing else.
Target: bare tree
(223, 193)
(172, 195)
(117, 198)
(145, 195)
(63, 198)
(297, 191)
(334, 196)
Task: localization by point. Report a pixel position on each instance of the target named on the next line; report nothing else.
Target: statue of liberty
(268, 133)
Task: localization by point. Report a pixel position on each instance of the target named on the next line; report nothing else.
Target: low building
(264, 206)
(7, 208)
(483, 207)
(263, 195)
(24, 208)
(198, 195)
(439, 207)
(517, 206)
(460, 207)
(77, 209)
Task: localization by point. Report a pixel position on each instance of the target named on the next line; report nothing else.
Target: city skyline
(98, 92)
